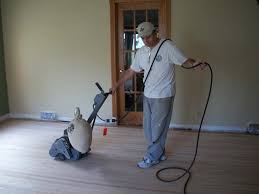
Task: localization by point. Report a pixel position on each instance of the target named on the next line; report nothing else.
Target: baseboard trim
(24, 116)
(4, 117)
(37, 117)
(209, 128)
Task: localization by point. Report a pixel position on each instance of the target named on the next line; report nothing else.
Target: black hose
(187, 170)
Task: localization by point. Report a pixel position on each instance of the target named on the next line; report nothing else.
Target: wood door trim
(166, 27)
(138, 5)
(113, 24)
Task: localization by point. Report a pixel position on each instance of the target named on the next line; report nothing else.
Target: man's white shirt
(161, 80)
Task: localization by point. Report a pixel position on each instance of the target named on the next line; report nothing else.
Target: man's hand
(126, 76)
(202, 65)
(197, 64)
(112, 90)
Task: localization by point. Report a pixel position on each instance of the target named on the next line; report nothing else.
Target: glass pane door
(133, 88)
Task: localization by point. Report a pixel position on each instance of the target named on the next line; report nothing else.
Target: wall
(56, 50)
(4, 109)
(224, 33)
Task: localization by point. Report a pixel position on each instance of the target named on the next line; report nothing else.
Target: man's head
(147, 32)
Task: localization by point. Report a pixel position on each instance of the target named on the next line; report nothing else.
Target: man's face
(150, 41)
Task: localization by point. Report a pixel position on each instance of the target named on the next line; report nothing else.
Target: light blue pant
(157, 117)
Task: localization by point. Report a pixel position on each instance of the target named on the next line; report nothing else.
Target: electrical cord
(187, 170)
(130, 108)
(126, 114)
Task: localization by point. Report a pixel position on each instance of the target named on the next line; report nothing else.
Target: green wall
(3, 86)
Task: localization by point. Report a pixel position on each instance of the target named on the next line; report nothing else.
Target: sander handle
(99, 87)
(98, 102)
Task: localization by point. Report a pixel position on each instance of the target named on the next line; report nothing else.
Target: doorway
(126, 15)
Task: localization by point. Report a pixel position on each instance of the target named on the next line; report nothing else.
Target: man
(159, 88)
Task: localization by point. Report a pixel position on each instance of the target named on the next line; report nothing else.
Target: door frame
(164, 27)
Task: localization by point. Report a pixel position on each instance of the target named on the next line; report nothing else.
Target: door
(127, 102)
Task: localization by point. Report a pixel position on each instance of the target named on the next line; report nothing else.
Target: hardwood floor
(226, 163)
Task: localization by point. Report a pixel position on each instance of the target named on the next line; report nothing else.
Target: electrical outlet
(111, 120)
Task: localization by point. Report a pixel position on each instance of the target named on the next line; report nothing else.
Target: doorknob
(121, 70)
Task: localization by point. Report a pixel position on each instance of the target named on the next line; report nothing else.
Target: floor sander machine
(77, 138)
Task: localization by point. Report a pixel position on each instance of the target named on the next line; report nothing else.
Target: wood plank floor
(226, 163)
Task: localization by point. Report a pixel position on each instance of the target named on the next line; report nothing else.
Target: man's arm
(191, 62)
(126, 76)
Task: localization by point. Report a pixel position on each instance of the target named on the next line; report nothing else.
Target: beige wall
(225, 33)
(56, 51)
